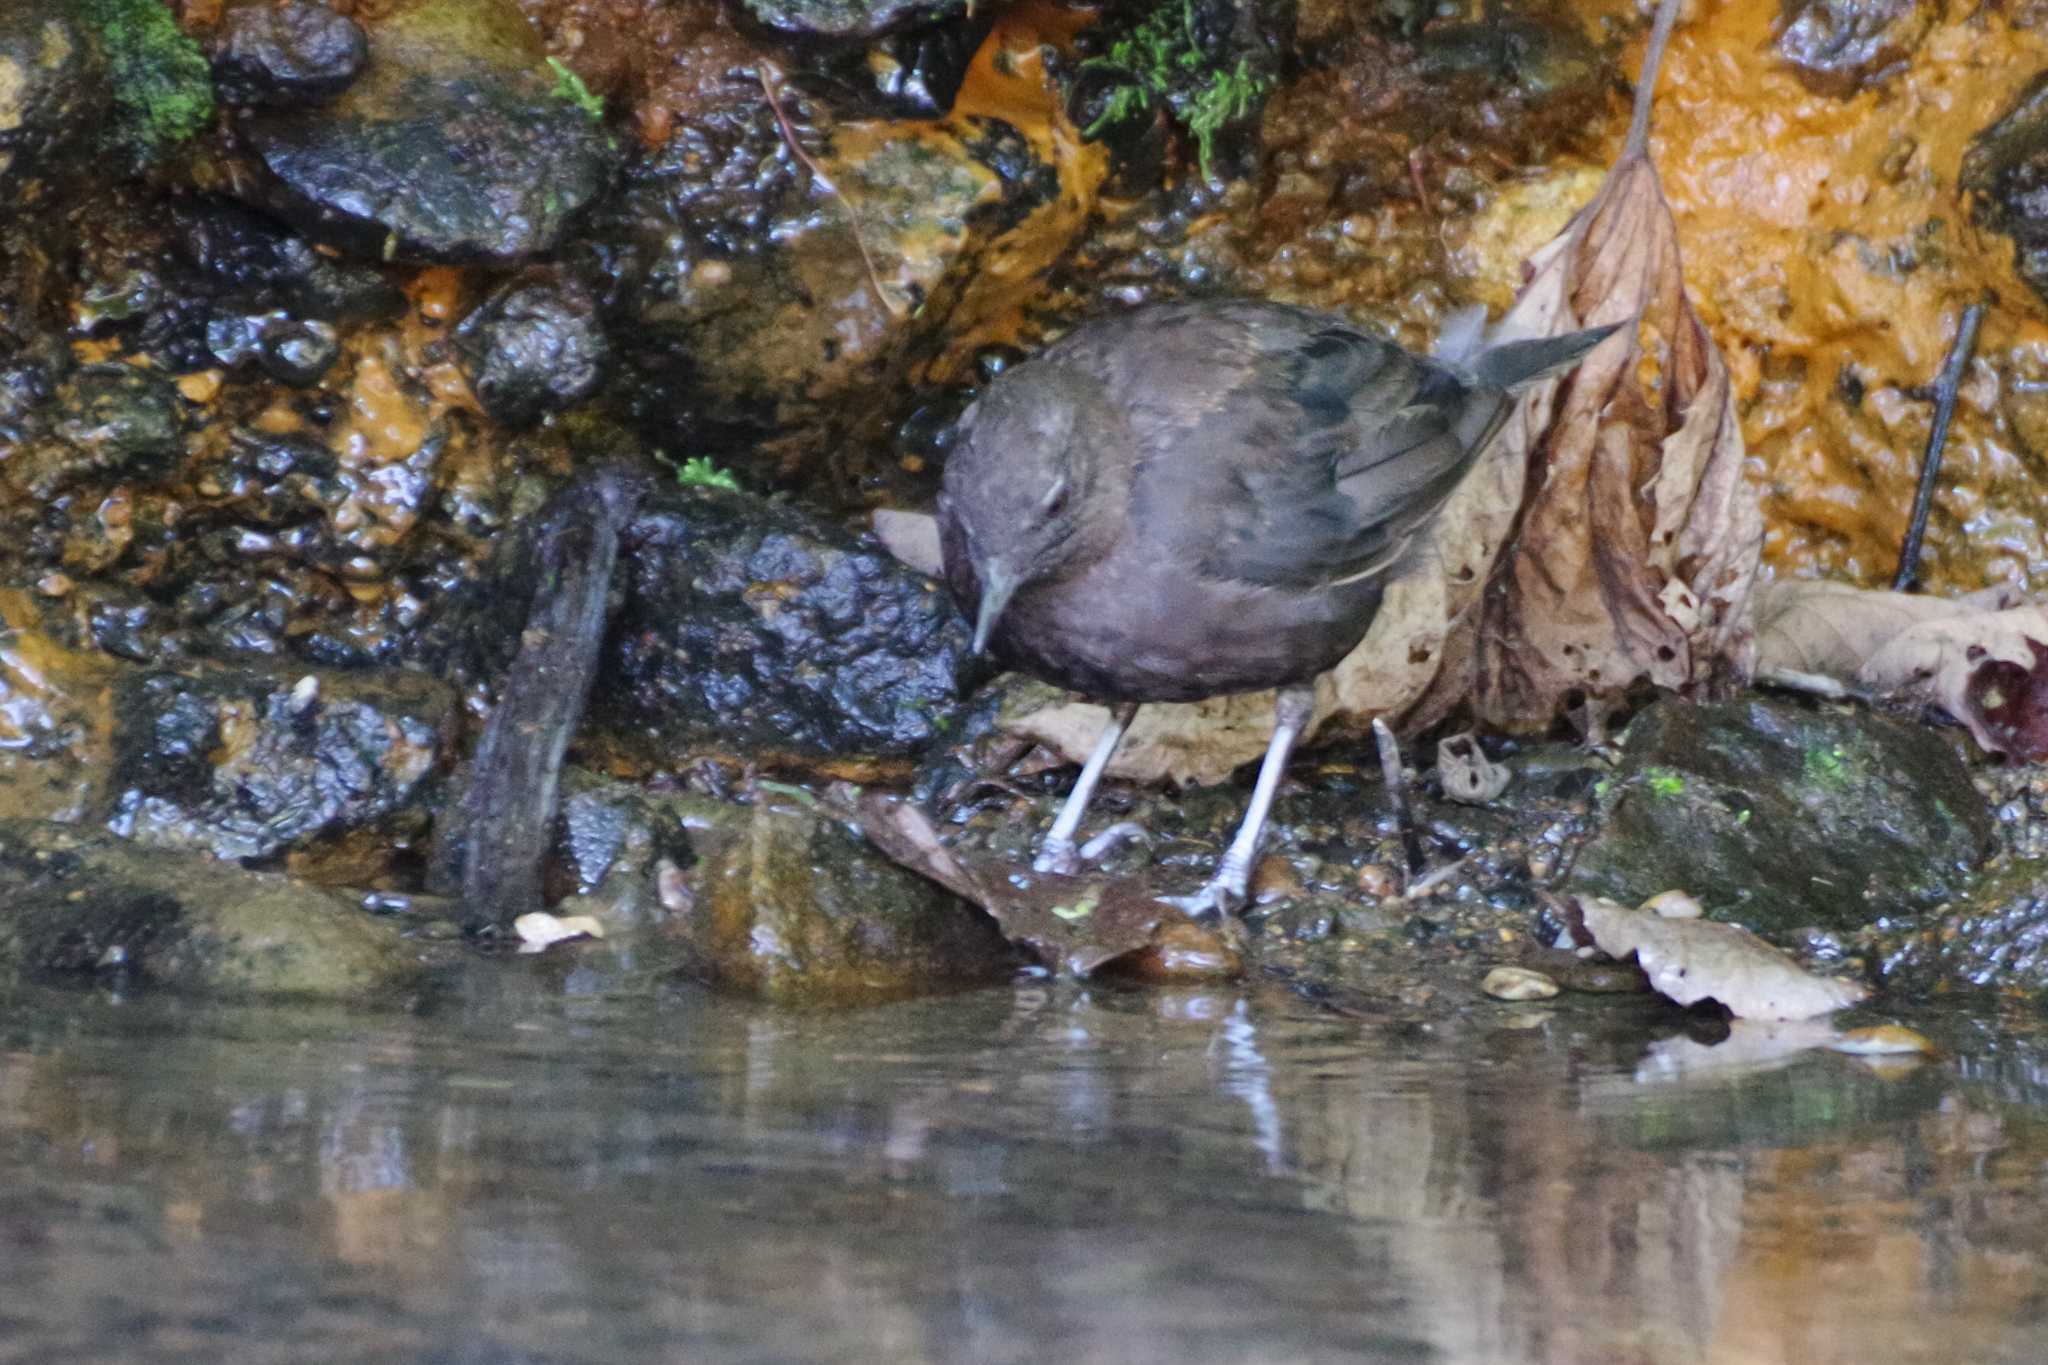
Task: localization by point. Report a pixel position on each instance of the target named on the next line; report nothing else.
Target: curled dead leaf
(1690, 960)
(1467, 774)
(1982, 658)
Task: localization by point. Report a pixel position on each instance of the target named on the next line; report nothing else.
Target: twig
(1946, 386)
(1638, 143)
(860, 240)
(1397, 797)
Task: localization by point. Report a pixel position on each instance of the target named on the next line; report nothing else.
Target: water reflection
(524, 1175)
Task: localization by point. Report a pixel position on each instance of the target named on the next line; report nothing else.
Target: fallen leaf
(538, 929)
(1982, 658)
(1075, 925)
(1467, 774)
(1752, 1046)
(1690, 960)
(1884, 1040)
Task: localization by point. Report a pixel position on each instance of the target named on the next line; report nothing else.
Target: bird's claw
(1059, 856)
(1215, 901)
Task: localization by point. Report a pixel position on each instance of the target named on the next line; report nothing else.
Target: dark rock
(909, 73)
(533, 348)
(751, 625)
(1521, 57)
(791, 906)
(75, 902)
(452, 147)
(113, 420)
(1782, 818)
(245, 256)
(849, 19)
(1838, 47)
(1996, 936)
(54, 94)
(288, 350)
(292, 55)
(246, 763)
(2005, 173)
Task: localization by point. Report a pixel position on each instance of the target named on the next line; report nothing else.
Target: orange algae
(1828, 250)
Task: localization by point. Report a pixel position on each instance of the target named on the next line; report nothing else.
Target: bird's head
(1018, 485)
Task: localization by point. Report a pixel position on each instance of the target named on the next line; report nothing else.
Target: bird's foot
(1059, 856)
(1063, 857)
(1224, 896)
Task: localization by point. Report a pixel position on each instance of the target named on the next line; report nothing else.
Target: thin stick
(1946, 386)
(1638, 143)
(860, 240)
(1397, 797)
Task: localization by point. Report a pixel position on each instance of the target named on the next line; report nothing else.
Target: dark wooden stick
(1946, 386)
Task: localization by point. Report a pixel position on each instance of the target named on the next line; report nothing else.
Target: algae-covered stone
(250, 763)
(1781, 817)
(159, 75)
(452, 146)
(790, 905)
(108, 421)
(76, 901)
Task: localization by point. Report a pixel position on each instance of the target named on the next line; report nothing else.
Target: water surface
(520, 1173)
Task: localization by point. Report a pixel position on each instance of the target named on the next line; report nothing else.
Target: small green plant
(1162, 62)
(569, 86)
(1664, 782)
(699, 472)
(160, 77)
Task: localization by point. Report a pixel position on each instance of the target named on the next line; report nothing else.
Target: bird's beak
(997, 584)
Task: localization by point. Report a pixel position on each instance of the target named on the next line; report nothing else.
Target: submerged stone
(1781, 817)
(79, 902)
(454, 146)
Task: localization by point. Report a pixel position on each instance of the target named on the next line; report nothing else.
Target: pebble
(1518, 983)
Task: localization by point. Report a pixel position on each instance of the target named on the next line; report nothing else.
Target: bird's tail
(1512, 365)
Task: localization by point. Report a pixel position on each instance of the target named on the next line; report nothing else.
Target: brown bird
(1194, 499)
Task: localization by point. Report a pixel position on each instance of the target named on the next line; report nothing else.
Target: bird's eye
(1055, 500)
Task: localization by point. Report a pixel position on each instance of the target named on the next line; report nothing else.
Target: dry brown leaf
(1639, 538)
(1075, 925)
(1690, 960)
(538, 930)
(1982, 658)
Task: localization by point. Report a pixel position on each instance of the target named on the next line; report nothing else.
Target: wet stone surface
(76, 902)
(53, 93)
(1783, 817)
(2006, 174)
(1839, 47)
(452, 146)
(534, 347)
(247, 763)
(296, 54)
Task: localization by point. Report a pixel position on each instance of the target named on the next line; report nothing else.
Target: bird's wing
(1320, 450)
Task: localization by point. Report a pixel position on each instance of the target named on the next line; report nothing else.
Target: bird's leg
(1231, 885)
(1058, 854)
(1391, 770)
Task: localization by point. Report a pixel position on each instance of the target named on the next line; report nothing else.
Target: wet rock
(54, 719)
(845, 19)
(735, 281)
(1521, 58)
(288, 350)
(747, 625)
(110, 421)
(1996, 936)
(247, 257)
(76, 902)
(453, 146)
(619, 849)
(1838, 47)
(247, 763)
(910, 73)
(54, 94)
(1781, 818)
(789, 905)
(287, 56)
(2005, 173)
(533, 348)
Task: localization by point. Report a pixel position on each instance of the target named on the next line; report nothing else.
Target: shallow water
(519, 1172)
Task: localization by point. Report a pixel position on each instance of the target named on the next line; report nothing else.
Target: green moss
(1826, 767)
(1664, 782)
(160, 76)
(1162, 62)
(569, 86)
(699, 472)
